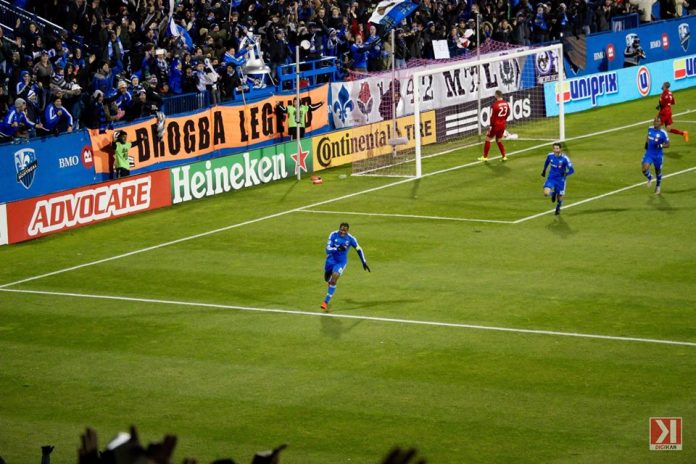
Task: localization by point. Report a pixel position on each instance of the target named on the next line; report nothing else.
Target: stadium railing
(9, 14)
(312, 73)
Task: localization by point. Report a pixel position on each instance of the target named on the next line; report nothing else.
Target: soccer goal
(451, 106)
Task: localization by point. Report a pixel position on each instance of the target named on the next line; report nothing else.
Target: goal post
(518, 74)
(451, 106)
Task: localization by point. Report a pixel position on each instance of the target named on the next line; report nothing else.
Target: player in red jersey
(665, 114)
(500, 110)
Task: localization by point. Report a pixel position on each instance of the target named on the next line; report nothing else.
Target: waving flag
(389, 13)
(175, 30)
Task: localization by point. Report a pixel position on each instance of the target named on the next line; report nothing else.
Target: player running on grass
(500, 110)
(337, 248)
(561, 167)
(665, 114)
(657, 140)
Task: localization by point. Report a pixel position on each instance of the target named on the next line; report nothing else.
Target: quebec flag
(389, 13)
(174, 30)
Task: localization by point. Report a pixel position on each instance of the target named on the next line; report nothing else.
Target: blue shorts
(655, 160)
(335, 266)
(556, 184)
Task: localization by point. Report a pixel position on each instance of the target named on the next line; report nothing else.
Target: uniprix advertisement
(626, 84)
(45, 165)
(36, 217)
(222, 127)
(345, 146)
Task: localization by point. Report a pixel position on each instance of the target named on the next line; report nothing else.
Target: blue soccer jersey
(561, 167)
(337, 248)
(653, 153)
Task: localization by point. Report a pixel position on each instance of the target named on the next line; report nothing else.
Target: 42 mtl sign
(665, 433)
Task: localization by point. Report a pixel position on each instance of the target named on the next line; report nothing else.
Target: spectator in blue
(16, 122)
(25, 85)
(540, 25)
(175, 77)
(57, 118)
(124, 99)
(100, 114)
(103, 80)
(359, 53)
(114, 52)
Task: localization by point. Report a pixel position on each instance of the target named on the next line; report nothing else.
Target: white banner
(369, 100)
(3, 224)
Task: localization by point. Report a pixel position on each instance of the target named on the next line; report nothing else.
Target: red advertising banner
(219, 127)
(36, 217)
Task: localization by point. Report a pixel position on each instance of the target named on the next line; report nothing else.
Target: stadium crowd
(126, 448)
(116, 59)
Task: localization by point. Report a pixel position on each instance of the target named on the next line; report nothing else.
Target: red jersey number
(499, 113)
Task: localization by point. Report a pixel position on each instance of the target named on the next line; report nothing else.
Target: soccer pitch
(489, 330)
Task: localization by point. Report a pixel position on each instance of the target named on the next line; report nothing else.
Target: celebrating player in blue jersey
(337, 248)
(561, 167)
(656, 141)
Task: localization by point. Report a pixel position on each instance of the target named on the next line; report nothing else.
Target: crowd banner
(345, 146)
(36, 217)
(224, 174)
(366, 101)
(3, 224)
(222, 127)
(604, 52)
(609, 88)
(45, 165)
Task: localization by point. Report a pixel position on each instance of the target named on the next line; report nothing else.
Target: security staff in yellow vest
(294, 121)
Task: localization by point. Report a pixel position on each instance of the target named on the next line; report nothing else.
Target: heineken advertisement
(235, 172)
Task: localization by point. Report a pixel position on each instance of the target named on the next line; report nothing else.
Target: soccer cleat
(558, 211)
(553, 197)
(504, 158)
(649, 182)
(324, 306)
(658, 190)
(483, 158)
(686, 136)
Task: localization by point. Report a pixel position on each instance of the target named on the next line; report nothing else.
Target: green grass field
(183, 340)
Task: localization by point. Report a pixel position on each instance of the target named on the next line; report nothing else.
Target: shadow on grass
(660, 203)
(560, 227)
(335, 327)
(498, 168)
(355, 304)
(673, 155)
(600, 211)
(289, 191)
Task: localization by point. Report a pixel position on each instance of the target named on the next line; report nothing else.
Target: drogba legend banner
(202, 133)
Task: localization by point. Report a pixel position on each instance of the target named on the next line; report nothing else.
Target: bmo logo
(68, 161)
(665, 433)
(665, 41)
(611, 52)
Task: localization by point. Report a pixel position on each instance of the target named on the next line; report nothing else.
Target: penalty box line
(356, 317)
(301, 208)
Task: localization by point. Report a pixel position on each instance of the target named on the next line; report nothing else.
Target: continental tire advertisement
(235, 172)
(348, 145)
(461, 120)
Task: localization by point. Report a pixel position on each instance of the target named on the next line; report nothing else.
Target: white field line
(410, 216)
(283, 213)
(355, 317)
(587, 200)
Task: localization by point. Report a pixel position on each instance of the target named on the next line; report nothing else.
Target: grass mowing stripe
(410, 216)
(598, 197)
(283, 213)
(353, 317)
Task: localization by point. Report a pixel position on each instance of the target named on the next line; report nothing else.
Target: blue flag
(174, 30)
(389, 13)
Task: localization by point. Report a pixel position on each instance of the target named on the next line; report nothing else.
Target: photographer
(633, 52)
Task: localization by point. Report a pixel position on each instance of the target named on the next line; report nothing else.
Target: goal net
(451, 105)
